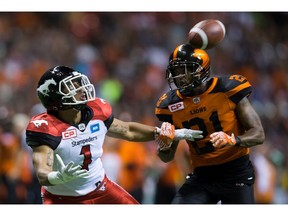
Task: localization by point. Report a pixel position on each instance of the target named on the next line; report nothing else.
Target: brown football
(206, 34)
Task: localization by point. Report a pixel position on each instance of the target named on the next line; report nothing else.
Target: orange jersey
(212, 111)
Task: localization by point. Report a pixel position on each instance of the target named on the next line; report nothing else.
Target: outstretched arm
(131, 131)
(137, 132)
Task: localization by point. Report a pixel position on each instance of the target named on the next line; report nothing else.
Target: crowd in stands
(125, 55)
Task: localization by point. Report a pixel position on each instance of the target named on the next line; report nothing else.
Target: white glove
(188, 134)
(66, 173)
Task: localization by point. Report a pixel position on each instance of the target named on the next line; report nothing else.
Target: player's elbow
(261, 137)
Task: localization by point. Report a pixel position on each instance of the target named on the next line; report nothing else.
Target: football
(206, 34)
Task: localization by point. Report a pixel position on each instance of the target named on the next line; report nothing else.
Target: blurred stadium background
(125, 55)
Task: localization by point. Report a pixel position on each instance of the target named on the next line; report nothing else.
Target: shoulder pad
(230, 82)
(44, 129)
(168, 98)
(235, 87)
(45, 123)
(101, 108)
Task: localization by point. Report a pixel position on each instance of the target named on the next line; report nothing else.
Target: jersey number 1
(87, 156)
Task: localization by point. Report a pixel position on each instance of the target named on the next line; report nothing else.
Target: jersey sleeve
(42, 131)
(102, 111)
(164, 105)
(236, 87)
(34, 139)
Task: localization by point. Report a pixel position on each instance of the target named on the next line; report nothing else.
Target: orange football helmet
(188, 68)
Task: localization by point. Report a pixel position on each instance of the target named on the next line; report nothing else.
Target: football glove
(66, 173)
(188, 134)
(220, 139)
(165, 135)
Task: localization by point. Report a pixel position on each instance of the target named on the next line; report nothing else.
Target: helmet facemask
(186, 75)
(76, 89)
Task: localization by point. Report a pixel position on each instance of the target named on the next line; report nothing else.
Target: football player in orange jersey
(67, 140)
(218, 106)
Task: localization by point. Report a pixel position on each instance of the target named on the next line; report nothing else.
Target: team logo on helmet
(44, 88)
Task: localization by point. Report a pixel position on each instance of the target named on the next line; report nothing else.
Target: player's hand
(165, 136)
(220, 139)
(188, 134)
(66, 173)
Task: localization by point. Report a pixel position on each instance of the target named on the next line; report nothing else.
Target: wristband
(167, 151)
(156, 132)
(238, 141)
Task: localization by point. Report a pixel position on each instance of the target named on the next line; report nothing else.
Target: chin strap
(79, 107)
(188, 89)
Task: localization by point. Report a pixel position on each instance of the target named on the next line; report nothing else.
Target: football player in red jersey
(219, 107)
(67, 140)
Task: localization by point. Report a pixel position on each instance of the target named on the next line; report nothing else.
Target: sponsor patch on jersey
(175, 107)
(38, 123)
(94, 128)
(69, 134)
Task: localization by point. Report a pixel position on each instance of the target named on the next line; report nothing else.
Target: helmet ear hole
(54, 108)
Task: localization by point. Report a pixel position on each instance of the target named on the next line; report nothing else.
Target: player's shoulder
(168, 98)
(231, 82)
(45, 123)
(101, 108)
(41, 119)
(235, 87)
